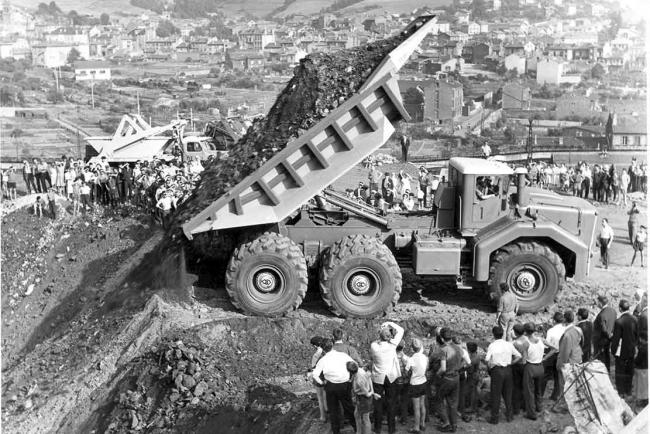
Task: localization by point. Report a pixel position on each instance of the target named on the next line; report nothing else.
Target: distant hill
(257, 8)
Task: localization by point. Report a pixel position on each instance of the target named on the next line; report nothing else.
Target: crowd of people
(602, 182)
(457, 379)
(159, 185)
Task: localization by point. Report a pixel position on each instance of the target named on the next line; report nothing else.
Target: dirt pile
(321, 82)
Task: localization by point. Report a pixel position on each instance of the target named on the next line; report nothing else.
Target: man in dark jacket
(626, 334)
(603, 329)
(587, 331)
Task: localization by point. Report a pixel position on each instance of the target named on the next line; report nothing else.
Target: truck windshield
(208, 146)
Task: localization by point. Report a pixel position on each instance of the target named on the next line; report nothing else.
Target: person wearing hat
(603, 330)
(385, 370)
(624, 339)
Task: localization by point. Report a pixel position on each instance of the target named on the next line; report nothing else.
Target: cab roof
(479, 166)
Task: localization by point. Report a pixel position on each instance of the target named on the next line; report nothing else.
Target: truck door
(488, 199)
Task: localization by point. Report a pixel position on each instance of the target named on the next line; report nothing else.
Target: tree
(478, 9)
(75, 18)
(509, 134)
(104, 19)
(598, 71)
(165, 29)
(73, 56)
(609, 130)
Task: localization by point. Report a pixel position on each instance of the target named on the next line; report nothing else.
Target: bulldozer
(486, 228)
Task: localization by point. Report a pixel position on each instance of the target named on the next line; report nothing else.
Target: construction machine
(486, 227)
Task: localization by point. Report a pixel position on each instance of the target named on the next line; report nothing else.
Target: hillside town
(324, 216)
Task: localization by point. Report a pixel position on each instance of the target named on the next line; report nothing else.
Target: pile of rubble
(321, 82)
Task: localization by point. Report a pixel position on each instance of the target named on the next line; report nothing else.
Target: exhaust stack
(522, 192)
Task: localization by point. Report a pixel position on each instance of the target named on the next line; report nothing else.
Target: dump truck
(486, 227)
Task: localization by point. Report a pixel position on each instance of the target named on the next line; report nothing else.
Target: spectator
(69, 177)
(60, 176)
(38, 207)
(605, 240)
(633, 222)
(28, 177)
(603, 330)
(521, 344)
(164, 206)
(417, 386)
(374, 178)
(344, 347)
(533, 373)
(76, 196)
(402, 384)
(385, 370)
(507, 310)
(11, 184)
(407, 201)
(317, 342)
(363, 395)
(640, 381)
(451, 361)
(469, 400)
(338, 389)
(624, 185)
(553, 336)
(639, 244)
(586, 327)
(500, 356)
(84, 191)
(51, 199)
(624, 342)
(570, 348)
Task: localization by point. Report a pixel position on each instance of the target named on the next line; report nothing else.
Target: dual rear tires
(359, 277)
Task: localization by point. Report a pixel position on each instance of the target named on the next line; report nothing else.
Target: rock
(28, 404)
(59, 256)
(174, 397)
(200, 388)
(189, 381)
(30, 289)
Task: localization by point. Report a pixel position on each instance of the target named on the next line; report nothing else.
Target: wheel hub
(526, 281)
(360, 284)
(265, 281)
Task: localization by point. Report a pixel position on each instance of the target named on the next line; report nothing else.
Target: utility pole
(529, 142)
(137, 99)
(92, 88)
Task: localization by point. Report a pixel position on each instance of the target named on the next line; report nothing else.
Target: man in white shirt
(552, 342)
(385, 370)
(501, 354)
(533, 373)
(338, 389)
(605, 240)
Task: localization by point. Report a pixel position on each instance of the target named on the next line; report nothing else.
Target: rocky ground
(98, 337)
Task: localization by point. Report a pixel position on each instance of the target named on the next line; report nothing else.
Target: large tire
(533, 271)
(267, 276)
(360, 278)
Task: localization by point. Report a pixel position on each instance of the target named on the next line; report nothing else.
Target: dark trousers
(623, 375)
(604, 252)
(52, 205)
(339, 394)
(85, 201)
(385, 405)
(532, 383)
(501, 387)
(29, 183)
(601, 352)
(402, 401)
(447, 399)
(550, 373)
(517, 388)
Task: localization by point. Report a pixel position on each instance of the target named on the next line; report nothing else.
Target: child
(639, 244)
(38, 207)
(51, 199)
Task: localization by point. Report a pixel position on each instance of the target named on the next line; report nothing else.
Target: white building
(549, 71)
(92, 70)
(515, 61)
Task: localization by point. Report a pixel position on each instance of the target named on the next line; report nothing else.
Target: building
(516, 62)
(255, 38)
(629, 137)
(92, 70)
(52, 55)
(549, 71)
(571, 104)
(442, 98)
(476, 53)
(515, 96)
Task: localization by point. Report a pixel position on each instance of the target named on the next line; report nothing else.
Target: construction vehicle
(486, 227)
(134, 139)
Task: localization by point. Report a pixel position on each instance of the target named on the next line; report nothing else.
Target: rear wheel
(533, 272)
(267, 276)
(360, 278)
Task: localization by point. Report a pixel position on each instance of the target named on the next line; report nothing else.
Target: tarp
(592, 400)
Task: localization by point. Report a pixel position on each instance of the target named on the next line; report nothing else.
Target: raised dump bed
(325, 152)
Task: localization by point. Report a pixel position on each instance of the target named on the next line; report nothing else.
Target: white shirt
(500, 353)
(418, 364)
(606, 232)
(554, 334)
(333, 366)
(384, 357)
(535, 352)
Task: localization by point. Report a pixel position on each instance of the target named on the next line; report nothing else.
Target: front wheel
(533, 272)
(267, 276)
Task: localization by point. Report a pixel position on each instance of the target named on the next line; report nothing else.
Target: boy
(51, 200)
(38, 207)
(639, 243)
